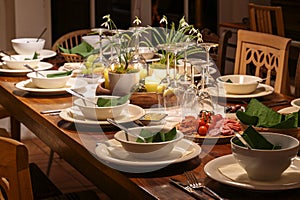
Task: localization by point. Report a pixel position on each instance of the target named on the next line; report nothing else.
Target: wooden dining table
(76, 144)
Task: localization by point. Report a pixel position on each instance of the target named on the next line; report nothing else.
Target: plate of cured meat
(208, 128)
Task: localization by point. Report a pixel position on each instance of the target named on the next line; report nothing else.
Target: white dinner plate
(73, 83)
(46, 53)
(41, 66)
(183, 151)
(212, 170)
(261, 90)
(296, 103)
(73, 114)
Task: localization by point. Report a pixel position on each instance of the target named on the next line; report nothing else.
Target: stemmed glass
(184, 79)
(208, 90)
(137, 60)
(97, 63)
(174, 91)
(167, 79)
(189, 106)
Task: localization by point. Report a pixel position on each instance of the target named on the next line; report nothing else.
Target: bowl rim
(94, 106)
(294, 104)
(268, 150)
(29, 75)
(19, 40)
(179, 136)
(256, 81)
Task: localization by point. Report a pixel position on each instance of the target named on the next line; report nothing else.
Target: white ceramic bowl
(91, 111)
(241, 84)
(147, 52)
(296, 103)
(27, 46)
(18, 61)
(146, 150)
(48, 83)
(267, 165)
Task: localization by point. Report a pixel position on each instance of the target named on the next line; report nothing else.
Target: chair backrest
(296, 44)
(264, 55)
(14, 170)
(222, 50)
(266, 19)
(68, 41)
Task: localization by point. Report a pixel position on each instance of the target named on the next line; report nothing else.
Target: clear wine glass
(173, 93)
(208, 91)
(167, 79)
(184, 79)
(137, 60)
(96, 64)
(189, 106)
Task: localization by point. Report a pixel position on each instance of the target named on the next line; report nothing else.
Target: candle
(151, 84)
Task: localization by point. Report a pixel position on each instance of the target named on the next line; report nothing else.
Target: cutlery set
(193, 185)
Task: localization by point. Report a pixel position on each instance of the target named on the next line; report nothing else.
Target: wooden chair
(296, 44)
(68, 41)
(264, 55)
(266, 19)
(222, 51)
(20, 180)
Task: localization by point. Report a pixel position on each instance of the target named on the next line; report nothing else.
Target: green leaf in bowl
(59, 74)
(229, 81)
(256, 140)
(157, 137)
(106, 102)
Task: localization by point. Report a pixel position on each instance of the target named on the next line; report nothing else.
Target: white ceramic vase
(122, 84)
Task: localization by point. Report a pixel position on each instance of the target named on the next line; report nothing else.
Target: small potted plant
(123, 73)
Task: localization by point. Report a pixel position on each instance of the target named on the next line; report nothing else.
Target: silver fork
(195, 184)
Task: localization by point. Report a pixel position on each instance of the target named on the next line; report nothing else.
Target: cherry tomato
(202, 130)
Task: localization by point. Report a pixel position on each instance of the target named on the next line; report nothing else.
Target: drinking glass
(137, 60)
(208, 90)
(189, 106)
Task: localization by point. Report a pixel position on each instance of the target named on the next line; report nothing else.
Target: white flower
(192, 31)
(164, 20)
(199, 37)
(183, 23)
(137, 21)
(107, 22)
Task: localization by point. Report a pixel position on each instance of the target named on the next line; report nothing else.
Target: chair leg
(50, 162)
(15, 128)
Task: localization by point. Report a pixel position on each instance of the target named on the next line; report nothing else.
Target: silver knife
(50, 111)
(187, 189)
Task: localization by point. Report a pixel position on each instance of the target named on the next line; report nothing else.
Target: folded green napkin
(157, 136)
(59, 74)
(84, 49)
(105, 102)
(259, 115)
(255, 140)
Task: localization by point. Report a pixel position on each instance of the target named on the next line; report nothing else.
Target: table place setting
(113, 154)
(21, 72)
(226, 170)
(259, 161)
(72, 83)
(75, 115)
(243, 86)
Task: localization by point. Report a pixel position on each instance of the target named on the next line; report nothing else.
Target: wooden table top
(77, 148)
